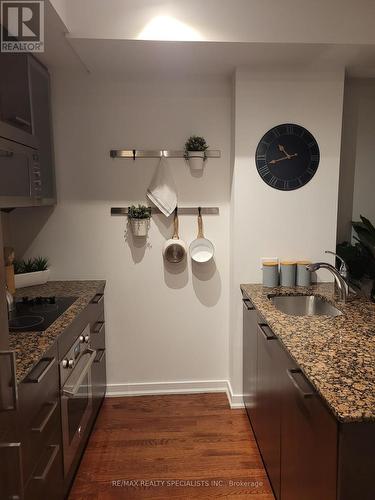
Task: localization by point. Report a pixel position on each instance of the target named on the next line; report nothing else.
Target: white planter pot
(140, 226)
(31, 279)
(196, 159)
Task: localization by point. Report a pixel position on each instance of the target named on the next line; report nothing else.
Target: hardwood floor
(196, 444)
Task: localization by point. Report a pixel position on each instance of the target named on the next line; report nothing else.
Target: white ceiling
(267, 21)
(138, 57)
(134, 58)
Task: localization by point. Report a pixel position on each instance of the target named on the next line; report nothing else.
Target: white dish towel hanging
(162, 190)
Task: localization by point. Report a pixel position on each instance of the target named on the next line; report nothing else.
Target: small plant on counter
(31, 272)
(33, 265)
(139, 218)
(195, 151)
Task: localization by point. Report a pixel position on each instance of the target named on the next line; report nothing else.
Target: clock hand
(282, 150)
(272, 162)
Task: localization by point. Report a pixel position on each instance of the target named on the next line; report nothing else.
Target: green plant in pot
(139, 218)
(360, 256)
(195, 151)
(30, 272)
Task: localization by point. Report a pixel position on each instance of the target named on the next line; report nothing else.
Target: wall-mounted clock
(287, 157)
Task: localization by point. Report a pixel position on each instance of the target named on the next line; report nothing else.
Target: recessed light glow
(168, 28)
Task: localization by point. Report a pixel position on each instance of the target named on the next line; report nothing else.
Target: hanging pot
(201, 249)
(196, 159)
(174, 250)
(140, 227)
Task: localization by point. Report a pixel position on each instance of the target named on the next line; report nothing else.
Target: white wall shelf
(133, 154)
(123, 211)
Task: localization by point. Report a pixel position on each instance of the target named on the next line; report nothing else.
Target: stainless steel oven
(76, 395)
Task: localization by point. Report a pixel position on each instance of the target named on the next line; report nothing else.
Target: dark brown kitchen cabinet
(308, 439)
(268, 419)
(40, 422)
(42, 126)
(11, 481)
(295, 432)
(307, 452)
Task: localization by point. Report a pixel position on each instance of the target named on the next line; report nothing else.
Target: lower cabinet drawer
(39, 409)
(37, 435)
(46, 480)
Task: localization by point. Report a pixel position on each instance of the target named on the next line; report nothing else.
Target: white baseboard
(181, 387)
(235, 400)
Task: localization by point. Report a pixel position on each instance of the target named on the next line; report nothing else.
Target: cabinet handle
(248, 304)
(46, 418)
(97, 298)
(55, 450)
(36, 380)
(21, 121)
(99, 356)
(98, 327)
(12, 382)
(303, 393)
(71, 390)
(265, 329)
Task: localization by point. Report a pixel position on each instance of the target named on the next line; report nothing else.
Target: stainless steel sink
(304, 305)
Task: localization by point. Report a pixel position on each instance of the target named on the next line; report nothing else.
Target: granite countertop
(30, 346)
(337, 354)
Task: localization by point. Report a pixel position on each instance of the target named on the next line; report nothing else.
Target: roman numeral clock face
(287, 157)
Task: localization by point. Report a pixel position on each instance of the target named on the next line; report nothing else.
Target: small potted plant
(195, 152)
(139, 218)
(31, 272)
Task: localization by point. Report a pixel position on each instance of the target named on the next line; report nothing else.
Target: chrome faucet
(344, 271)
(342, 286)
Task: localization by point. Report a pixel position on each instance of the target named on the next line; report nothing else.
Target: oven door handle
(71, 390)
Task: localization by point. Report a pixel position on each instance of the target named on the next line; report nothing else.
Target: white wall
(336, 21)
(357, 169)
(163, 324)
(267, 222)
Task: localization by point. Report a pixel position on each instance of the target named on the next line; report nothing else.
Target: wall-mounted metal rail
(123, 211)
(133, 154)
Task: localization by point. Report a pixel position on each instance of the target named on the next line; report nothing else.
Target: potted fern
(195, 152)
(31, 272)
(139, 218)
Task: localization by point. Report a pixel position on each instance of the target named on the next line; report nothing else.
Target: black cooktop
(37, 314)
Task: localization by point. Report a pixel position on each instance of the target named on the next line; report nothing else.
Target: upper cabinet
(26, 126)
(15, 107)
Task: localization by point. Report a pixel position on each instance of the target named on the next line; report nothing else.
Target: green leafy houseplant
(195, 152)
(360, 256)
(195, 143)
(139, 218)
(139, 212)
(33, 265)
